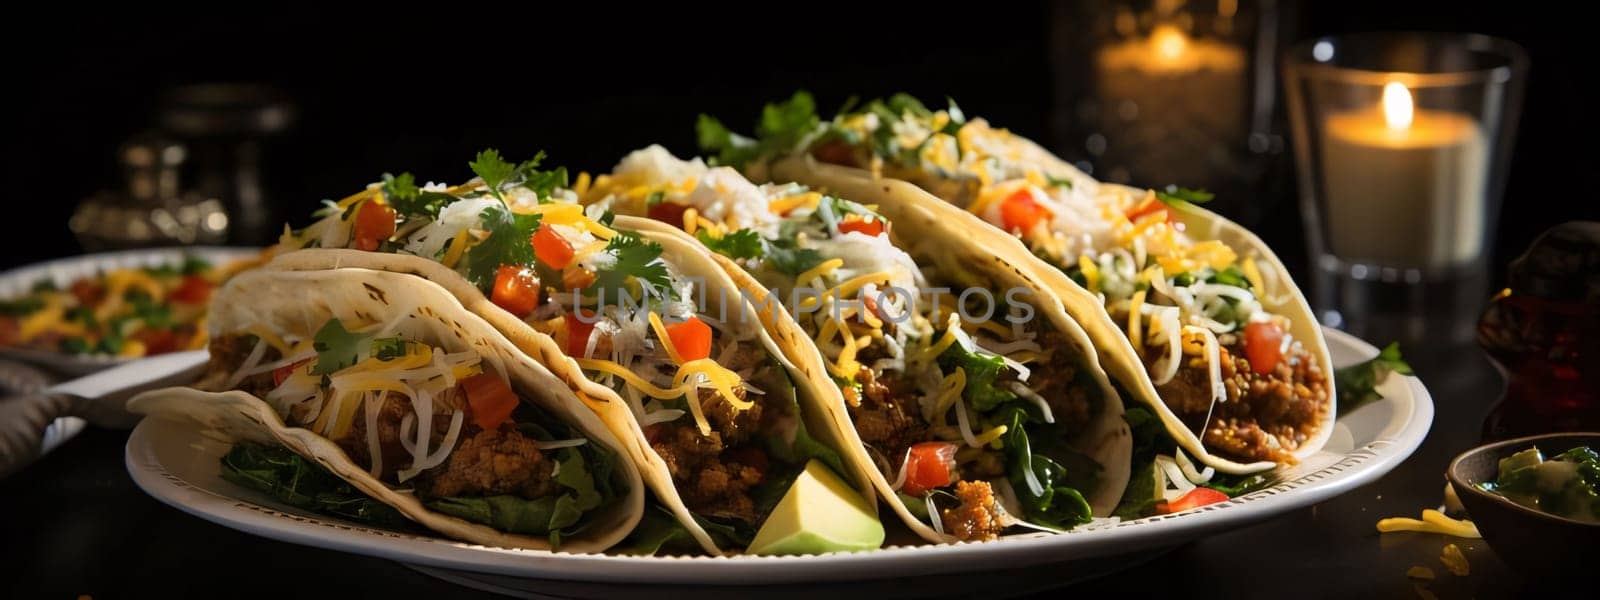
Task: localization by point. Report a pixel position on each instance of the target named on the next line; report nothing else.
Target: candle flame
(1397, 105)
(1169, 42)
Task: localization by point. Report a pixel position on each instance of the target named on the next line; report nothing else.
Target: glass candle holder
(1401, 141)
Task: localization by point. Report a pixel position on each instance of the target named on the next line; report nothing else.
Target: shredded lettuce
(293, 480)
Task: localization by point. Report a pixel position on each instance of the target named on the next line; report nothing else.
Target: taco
(1192, 313)
(976, 400)
(319, 377)
(652, 334)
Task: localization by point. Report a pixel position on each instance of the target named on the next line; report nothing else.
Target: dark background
(422, 92)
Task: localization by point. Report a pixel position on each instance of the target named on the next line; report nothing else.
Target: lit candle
(1165, 94)
(1405, 185)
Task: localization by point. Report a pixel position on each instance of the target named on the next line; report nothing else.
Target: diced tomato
(862, 226)
(835, 152)
(1196, 498)
(1263, 346)
(692, 339)
(578, 332)
(551, 248)
(194, 290)
(157, 341)
(929, 465)
(1020, 212)
(374, 224)
(670, 213)
(516, 289)
(87, 292)
(281, 374)
(491, 399)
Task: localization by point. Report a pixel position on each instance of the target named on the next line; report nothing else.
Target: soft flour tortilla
(961, 246)
(1116, 352)
(690, 260)
(303, 301)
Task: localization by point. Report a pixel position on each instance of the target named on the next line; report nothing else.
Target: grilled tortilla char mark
(715, 473)
(1266, 417)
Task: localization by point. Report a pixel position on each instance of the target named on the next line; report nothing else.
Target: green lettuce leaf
(1358, 383)
(293, 480)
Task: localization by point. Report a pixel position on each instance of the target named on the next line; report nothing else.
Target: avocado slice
(820, 513)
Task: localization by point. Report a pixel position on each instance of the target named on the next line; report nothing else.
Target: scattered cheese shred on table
(1455, 561)
(1432, 521)
(1420, 572)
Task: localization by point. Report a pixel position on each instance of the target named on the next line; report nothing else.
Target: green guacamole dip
(1564, 486)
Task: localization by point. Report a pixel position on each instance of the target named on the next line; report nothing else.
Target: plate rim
(1358, 467)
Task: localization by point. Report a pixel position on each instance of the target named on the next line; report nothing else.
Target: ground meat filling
(484, 462)
(886, 419)
(977, 518)
(493, 462)
(1266, 416)
(228, 354)
(715, 473)
(1056, 383)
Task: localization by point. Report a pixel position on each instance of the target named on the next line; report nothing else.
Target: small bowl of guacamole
(1536, 500)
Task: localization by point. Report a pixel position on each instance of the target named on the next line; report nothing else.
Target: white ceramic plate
(179, 467)
(64, 271)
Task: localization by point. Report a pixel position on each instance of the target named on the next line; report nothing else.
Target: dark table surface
(75, 524)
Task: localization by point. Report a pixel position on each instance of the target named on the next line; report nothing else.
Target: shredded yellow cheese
(827, 266)
(1136, 321)
(788, 203)
(458, 246)
(949, 390)
(1455, 561)
(581, 186)
(666, 340)
(1091, 273)
(992, 436)
(691, 220)
(853, 284)
(1253, 274)
(270, 338)
(720, 377)
(1432, 521)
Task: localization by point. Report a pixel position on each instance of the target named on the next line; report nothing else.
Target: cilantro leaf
(1358, 383)
(636, 260)
(388, 348)
(400, 187)
(744, 243)
(982, 369)
(1179, 197)
(508, 243)
(790, 259)
(403, 194)
(337, 348)
(958, 119)
(730, 148)
(785, 123)
(494, 171)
